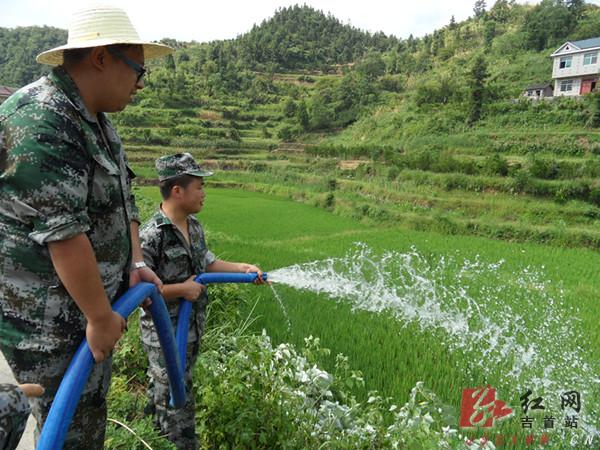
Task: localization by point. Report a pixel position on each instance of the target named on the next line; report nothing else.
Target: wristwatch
(138, 265)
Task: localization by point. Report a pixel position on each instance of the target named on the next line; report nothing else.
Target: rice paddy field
(406, 306)
(453, 260)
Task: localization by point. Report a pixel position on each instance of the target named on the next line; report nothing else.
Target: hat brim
(194, 173)
(200, 173)
(54, 57)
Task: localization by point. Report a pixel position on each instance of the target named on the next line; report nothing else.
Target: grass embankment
(424, 192)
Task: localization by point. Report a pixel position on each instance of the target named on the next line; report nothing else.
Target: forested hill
(297, 37)
(300, 37)
(432, 73)
(18, 49)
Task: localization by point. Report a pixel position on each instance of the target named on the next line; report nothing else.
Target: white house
(576, 69)
(539, 91)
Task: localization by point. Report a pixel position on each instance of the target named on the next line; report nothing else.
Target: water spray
(533, 337)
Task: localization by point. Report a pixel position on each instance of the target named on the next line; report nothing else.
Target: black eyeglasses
(137, 68)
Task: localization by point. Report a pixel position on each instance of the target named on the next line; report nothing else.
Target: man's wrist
(99, 315)
(138, 265)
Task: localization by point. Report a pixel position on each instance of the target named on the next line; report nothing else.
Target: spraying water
(283, 309)
(515, 325)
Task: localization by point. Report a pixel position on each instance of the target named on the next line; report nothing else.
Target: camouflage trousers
(47, 368)
(177, 425)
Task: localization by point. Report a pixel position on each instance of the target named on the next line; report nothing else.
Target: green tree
(489, 32)
(594, 120)
(452, 24)
(286, 133)
(372, 66)
(302, 115)
(576, 8)
(479, 8)
(289, 107)
(500, 12)
(478, 75)
(19, 49)
(170, 63)
(209, 70)
(321, 114)
(547, 23)
(234, 135)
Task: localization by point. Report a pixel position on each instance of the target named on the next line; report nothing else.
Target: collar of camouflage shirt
(65, 83)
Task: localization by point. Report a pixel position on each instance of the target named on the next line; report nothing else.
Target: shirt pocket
(177, 264)
(105, 185)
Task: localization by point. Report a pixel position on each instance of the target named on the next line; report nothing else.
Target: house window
(566, 86)
(565, 62)
(590, 58)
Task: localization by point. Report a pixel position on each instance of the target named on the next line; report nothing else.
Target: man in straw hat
(69, 240)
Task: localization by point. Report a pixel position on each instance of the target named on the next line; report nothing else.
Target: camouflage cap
(179, 164)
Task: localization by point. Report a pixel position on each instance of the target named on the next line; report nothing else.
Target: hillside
(427, 131)
(300, 37)
(19, 48)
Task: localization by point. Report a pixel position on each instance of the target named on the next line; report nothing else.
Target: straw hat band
(98, 26)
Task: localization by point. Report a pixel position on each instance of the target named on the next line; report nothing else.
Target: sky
(225, 19)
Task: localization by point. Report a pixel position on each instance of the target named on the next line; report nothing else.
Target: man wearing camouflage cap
(69, 241)
(174, 246)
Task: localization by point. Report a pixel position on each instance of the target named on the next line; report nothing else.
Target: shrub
(595, 196)
(393, 173)
(521, 181)
(265, 132)
(289, 108)
(286, 133)
(234, 135)
(544, 168)
(231, 113)
(329, 201)
(495, 165)
(391, 83)
(255, 395)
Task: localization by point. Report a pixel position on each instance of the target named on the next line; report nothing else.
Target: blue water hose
(185, 306)
(69, 392)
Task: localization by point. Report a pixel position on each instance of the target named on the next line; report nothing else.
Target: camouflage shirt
(62, 172)
(173, 260)
(14, 410)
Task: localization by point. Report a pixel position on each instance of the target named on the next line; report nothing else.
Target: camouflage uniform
(168, 253)
(14, 411)
(60, 176)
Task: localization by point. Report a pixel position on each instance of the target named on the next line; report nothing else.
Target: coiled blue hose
(75, 378)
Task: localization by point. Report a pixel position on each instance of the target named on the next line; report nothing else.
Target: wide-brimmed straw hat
(100, 25)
